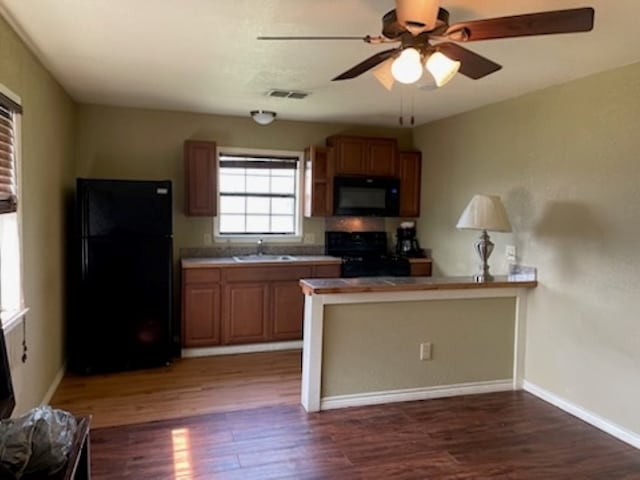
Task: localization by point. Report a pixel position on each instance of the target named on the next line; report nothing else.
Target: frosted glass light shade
(442, 68)
(407, 67)
(263, 117)
(485, 212)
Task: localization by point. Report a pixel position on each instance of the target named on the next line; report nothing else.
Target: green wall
(565, 161)
(47, 179)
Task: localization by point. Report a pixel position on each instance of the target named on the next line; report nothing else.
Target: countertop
(322, 286)
(208, 262)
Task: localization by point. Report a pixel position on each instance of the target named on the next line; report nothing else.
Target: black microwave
(366, 196)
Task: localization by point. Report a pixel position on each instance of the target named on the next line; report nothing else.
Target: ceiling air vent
(287, 94)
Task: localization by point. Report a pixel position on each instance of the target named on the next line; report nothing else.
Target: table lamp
(484, 212)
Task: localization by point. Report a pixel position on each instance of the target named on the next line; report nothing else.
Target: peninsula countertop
(321, 286)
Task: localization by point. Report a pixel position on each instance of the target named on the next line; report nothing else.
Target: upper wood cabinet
(410, 168)
(365, 155)
(200, 178)
(318, 185)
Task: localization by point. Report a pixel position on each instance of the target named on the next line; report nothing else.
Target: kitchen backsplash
(355, 224)
(248, 249)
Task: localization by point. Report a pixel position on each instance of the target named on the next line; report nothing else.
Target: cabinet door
(420, 269)
(245, 316)
(318, 182)
(201, 315)
(287, 310)
(410, 181)
(382, 157)
(351, 156)
(200, 178)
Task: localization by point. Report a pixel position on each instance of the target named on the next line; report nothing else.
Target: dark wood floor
(510, 435)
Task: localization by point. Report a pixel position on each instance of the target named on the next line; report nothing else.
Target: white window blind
(8, 180)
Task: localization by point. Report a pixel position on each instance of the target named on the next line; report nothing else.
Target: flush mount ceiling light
(263, 117)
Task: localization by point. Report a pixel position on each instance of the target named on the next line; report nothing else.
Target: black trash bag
(37, 442)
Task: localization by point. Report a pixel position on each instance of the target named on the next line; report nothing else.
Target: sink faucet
(259, 247)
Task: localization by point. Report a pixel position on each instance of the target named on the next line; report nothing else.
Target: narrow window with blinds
(10, 272)
(8, 181)
(258, 194)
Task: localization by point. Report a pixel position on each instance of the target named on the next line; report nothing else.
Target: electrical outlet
(510, 252)
(309, 238)
(206, 239)
(425, 351)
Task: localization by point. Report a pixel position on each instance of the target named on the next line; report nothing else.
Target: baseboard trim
(236, 349)
(591, 418)
(411, 394)
(46, 400)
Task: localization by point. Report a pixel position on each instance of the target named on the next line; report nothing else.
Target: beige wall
(565, 160)
(147, 144)
(47, 177)
(375, 347)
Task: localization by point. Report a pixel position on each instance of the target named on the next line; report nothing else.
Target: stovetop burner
(364, 254)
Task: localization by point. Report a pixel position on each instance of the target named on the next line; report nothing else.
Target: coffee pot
(406, 242)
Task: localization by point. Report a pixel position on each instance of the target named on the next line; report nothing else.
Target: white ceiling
(203, 56)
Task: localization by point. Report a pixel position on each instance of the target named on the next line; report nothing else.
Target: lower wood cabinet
(245, 313)
(287, 304)
(241, 305)
(202, 308)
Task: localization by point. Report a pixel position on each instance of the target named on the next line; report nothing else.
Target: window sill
(12, 318)
(252, 238)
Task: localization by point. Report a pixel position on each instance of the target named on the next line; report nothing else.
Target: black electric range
(365, 254)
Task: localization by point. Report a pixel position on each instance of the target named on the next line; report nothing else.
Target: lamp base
(483, 247)
(481, 278)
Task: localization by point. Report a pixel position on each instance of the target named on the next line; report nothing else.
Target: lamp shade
(485, 212)
(263, 117)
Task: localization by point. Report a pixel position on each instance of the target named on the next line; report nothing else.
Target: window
(259, 193)
(10, 271)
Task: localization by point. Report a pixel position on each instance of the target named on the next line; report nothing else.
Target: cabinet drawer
(201, 275)
(326, 271)
(253, 274)
(420, 268)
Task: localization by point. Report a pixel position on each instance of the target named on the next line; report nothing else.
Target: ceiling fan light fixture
(417, 15)
(442, 68)
(263, 117)
(407, 68)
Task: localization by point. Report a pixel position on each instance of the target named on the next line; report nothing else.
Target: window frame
(10, 317)
(253, 237)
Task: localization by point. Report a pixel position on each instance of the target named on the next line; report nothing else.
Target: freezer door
(124, 315)
(124, 208)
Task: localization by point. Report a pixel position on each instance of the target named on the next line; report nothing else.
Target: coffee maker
(406, 242)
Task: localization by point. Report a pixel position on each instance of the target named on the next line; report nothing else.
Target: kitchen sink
(264, 258)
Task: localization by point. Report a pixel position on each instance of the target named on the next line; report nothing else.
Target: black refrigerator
(122, 295)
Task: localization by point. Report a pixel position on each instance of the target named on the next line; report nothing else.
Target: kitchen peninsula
(387, 339)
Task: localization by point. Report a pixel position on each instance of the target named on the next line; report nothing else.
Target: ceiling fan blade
(472, 65)
(367, 64)
(543, 23)
(365, 38)
(383, 74)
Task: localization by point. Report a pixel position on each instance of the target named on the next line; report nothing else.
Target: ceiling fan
(419, 24)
